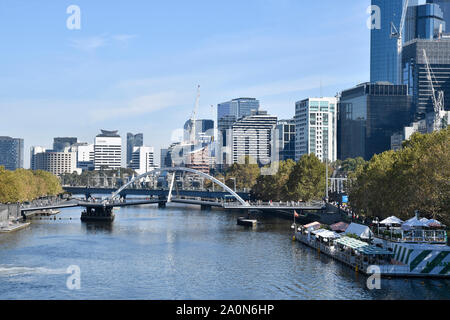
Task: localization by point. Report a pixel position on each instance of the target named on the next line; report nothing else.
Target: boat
(404, 249)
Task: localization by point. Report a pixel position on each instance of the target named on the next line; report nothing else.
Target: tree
(274, 187)
(307, 180)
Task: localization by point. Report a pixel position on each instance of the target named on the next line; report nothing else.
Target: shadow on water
(93, 227)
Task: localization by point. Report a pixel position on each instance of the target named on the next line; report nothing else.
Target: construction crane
(438, 101)
(398, 34)
(194, 118)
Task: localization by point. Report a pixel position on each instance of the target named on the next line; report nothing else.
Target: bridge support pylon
(98, 213)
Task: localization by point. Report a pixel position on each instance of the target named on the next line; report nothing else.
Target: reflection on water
(181, 253)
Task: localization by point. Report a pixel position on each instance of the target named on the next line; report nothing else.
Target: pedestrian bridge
(103, 210)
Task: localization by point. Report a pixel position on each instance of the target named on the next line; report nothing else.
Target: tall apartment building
(107, 150)
(142, 159)
(383, 48)
(133, 140)
(253, 136)
(316, 128)
(11, 153)
(286, 134)
(85, 155)
(368, 115)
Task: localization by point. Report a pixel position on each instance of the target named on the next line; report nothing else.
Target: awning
(351, 243)
(359, 230)
(323, 233)
(312, 226)
(374, 251)
(340, 226)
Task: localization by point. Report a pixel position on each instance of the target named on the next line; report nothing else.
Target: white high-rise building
(316, 128)
(85, 155)
(108, 151)
(142, 159)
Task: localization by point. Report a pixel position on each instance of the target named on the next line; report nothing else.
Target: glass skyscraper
(445, 7)
(11, 153)
(368, 115)
(424, 22)
(383, 48)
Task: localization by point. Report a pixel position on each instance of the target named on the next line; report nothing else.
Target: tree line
(25, 185)
(414, 178)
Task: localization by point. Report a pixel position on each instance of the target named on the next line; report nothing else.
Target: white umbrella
(413, 222)
(433, 223)
(391, 220)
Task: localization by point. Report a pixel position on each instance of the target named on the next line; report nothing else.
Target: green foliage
(25, 185)
(274, 187)
(307, 179)
(246, 174)
(414, 178)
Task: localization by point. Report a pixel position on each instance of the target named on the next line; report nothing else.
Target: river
(181, 253)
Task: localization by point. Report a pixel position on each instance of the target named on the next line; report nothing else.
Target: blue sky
(134, 66)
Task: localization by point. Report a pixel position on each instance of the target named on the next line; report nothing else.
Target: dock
(14, 227)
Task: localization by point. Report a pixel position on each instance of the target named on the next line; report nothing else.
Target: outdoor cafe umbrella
(391, 220)
(413, 222)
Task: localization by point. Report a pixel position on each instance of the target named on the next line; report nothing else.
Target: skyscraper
(368, 115)
(424, 22)
(11, 153)
(253, 136)
(133, 140)
(315, 126)
(383, 48)
(415, 73)
(107, 150)
(286, 134)
(142, 159)
(445, 7)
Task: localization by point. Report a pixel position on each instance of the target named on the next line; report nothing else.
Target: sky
(134, 65)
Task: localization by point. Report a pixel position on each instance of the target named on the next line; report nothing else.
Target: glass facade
(286, 134)
(383, 48)
(415, 73)
(368, 115)
(133, 140)
(11, 153)
(424, 22)
(445, 7)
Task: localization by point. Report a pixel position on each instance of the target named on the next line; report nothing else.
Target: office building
(62, 143)
(33, 152)
(398, 138)
(315, 126)
(368, 115)
(162, 158)
(11, 153)
(445, 7)
(204, 131)
(415, 73)
(383, 48)
(133, 140)
(85, 155)
(424, 21)
(142, 159)
(286, 134)
(57, 163)
(241, 107)
(107, 150)
(254, 137)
